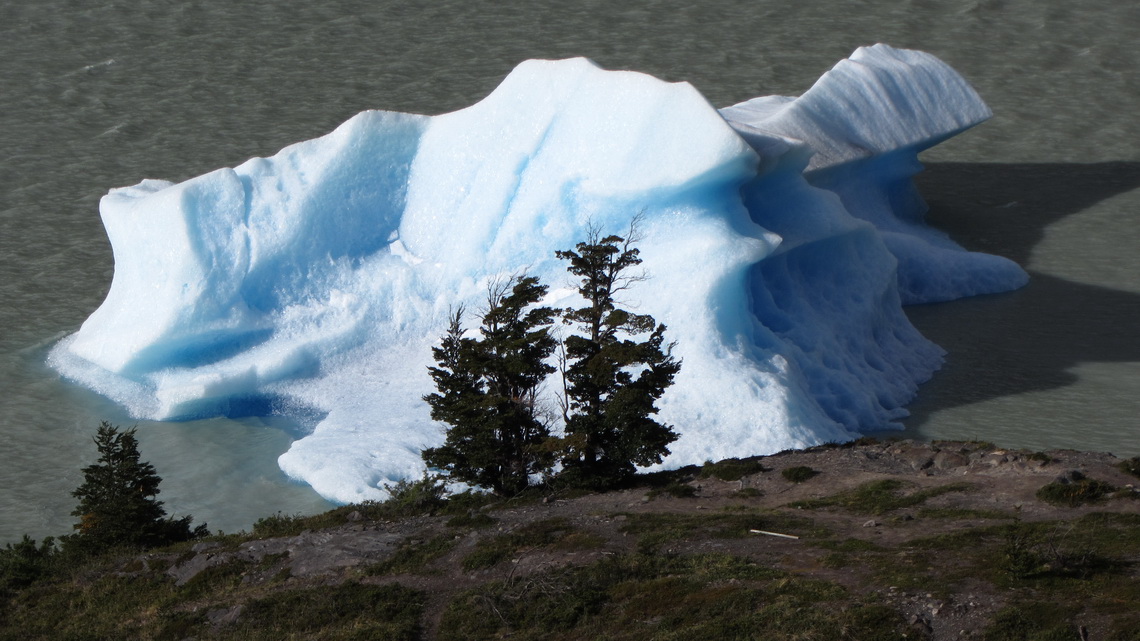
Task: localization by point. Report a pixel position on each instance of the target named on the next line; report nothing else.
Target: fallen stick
(782, 536)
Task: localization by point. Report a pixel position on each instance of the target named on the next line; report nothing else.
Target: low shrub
(878, 497)
(1074, 493)
(732, 469)
(798, 474)
(1131, 466)
(676, 490)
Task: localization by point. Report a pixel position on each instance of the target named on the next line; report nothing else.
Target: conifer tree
(487, 391)
(611, 382)
(117, 505)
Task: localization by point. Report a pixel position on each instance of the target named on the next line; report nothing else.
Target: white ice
(780, 236)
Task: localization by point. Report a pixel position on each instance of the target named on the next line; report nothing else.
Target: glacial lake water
(95, 97)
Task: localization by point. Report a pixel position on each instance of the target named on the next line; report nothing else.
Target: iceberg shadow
(1031, 339)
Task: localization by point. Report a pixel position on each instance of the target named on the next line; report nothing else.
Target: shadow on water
(1004, 208)
(1031, 339)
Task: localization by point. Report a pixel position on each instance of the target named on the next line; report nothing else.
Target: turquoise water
(94, 98)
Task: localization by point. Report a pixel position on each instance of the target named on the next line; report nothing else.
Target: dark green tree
(117, 505)
(611, 383)
(21, 564)
(487, 391)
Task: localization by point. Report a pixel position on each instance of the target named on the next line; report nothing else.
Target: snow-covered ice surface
(780, 236)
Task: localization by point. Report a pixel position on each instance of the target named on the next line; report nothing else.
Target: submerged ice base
(780, 238)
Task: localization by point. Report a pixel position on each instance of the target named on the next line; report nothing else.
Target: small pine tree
(117, 505)
(25, 562)
(488, 392)
(611, 383)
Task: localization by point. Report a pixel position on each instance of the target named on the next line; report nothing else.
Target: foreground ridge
(936, 541)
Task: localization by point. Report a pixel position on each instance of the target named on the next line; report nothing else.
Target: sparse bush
(878, 497)
(347, 611)
(732, 469)
(413, 555)
(279, 524)
(491, 551)
(472, 520)
(798, 474)
(412, 498)
(1074, 493)
(676, 490)
(1131, 466)
(748, 493)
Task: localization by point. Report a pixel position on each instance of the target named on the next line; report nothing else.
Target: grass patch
(655, 530)
(1040, 621)
(490, 552)
(1131, 466)
(732, 469)
(798, 474)
(847, 552)
(962, 513)
(473, 520)
(413, 556)
(879, 497)
(213, 580)
(347, 611)
(676, 489)
(1074, 493)
(666, 597)
(965, 447)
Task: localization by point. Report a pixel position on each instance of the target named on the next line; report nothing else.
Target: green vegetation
(488, 391)
(1075, 492)
(879, 497)
(556, 534)
(1131, 466)
(442, 572)
(414, 556)
(607, 410)
(347, 611)
(732, 469)
(676, 489)
(488, 387)
(1043, 621)
(798, 474)
(472, 520)
(655, 530)
(961, 513)
(25, 562)
(667, 597)
(406, 498)
(117, 507)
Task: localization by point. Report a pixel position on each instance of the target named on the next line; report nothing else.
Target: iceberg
(780, 239)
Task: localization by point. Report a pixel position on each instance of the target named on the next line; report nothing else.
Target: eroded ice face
(319, 278)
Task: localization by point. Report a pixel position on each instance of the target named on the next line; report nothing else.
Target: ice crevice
(782, 236)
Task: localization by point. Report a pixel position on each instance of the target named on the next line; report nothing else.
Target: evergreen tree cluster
(488, 387)
(117, 505)
(117, 510)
